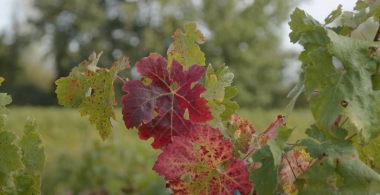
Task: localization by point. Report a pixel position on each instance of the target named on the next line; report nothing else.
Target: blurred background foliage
(78, 162)
(59, 34)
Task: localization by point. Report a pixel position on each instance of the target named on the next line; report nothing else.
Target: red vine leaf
(181, 157)
(169, 94)
(271, 132)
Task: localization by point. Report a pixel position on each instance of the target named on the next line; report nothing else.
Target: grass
(79, 162)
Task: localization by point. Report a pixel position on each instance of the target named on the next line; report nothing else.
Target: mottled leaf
(9, 158)
(240, 131)
(142, 101)
(292, 168)
(4, 100)
(24, 184)
(91, 89)
(180, 157)
(33, 153)
(185, 47)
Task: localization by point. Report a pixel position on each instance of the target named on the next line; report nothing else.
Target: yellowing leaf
(91, 89)
(185, 47)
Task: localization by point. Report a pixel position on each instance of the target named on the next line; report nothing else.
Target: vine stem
(119, 78)
(291, 168)
(377, 36)
(351, 136)
(343, 122)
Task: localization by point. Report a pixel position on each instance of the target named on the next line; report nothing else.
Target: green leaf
(24, 184)
(353, 85)
(185, 47)
(219, 92)
(33, 154)
(317, 179)
(1, 80)
(269, 156)
(91, 89)
(358, 178)
(9, 158)
(300, 23)
(315, 133)
(337, 169)
(277, 145)
(230, 106)
(293, 95)
(326, 146)
(4, 100)
(369, 153)
(316, 36)
(363, 11)
(264, 178)
(333, 15)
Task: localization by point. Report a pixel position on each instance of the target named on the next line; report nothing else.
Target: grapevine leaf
(33, 154)
(364, 10)
(87, 86)
(24, 184)
(345, 174)
(219, 92)
(142, 101)
(265, 178)
(317, 36)
(185, 47)
(180, 157)
(300, 23)
(293, 95)
(312, 40)
(217, 81)
(271, 132)
(315, 133)
(4, 100)
(369, 153)
(318, 179)
(9, 157)
(337, 169)
(324, 146)
(230, 106)
(240, 131)
(351, 85)
(333, 15)
(292, 169)
(277, 145)
(358, 178)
